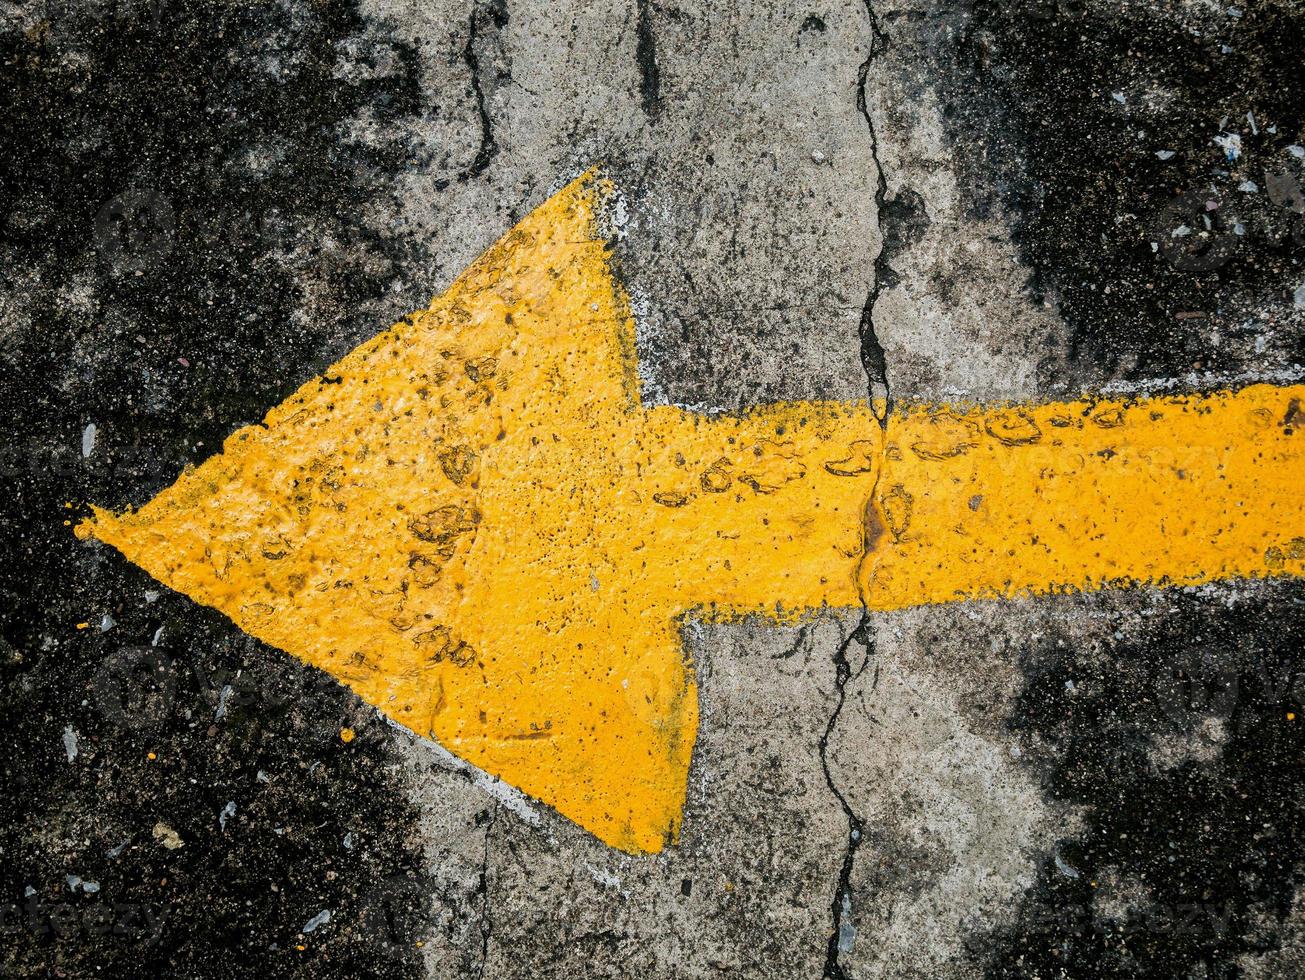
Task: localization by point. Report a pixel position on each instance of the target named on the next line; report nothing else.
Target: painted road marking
(473, 522)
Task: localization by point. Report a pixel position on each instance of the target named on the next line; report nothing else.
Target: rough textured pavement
(204, 204)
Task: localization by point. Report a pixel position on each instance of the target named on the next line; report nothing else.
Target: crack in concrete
(840, 938)
(482, 892)
(645, 52)
(873, 358)
(803, 635)
(495, 11)
(874, 526)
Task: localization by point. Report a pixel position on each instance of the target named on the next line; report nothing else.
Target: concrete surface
(1101, 785)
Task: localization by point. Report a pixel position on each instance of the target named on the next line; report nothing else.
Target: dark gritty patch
(813, 22)
(189, 233)
(903, 219)
(1093, 128)
(1175, 745)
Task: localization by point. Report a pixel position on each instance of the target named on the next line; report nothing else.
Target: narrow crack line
(803, 635)
(488, 149)
(874, 362)
(482, 889)
(844, 674)
(873, 358)
(645, 53)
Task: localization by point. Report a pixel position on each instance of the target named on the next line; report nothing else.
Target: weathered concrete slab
(1098, 785)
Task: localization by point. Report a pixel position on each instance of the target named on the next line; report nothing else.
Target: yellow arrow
(473, 522)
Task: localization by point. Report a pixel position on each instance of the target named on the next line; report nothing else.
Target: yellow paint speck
(82, 626)
(1291, 716)
(151, 756)
(346, 735)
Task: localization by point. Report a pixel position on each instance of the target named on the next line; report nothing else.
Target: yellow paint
(473, 522)
(346, 735)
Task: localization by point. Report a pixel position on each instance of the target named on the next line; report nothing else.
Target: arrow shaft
(770, 509)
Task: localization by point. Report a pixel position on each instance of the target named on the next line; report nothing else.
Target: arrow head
(424, 522)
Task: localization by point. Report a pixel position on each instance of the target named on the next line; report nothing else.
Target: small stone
(1063, 866)
(1231, 144)
(223, 697)
(168, 837)
(320, 919)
